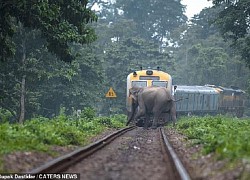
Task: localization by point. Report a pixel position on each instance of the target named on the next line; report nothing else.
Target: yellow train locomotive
(146, 78)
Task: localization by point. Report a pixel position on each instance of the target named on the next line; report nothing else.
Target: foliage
(233, 22)
(74, 86)
(226, 137)
(50, 83)
(154, 19)
(208, 62)
(203, 57)
(60, 23)
(117, 120)
(127, 55)
(88, 113)
(40, 133)
(24, 64)
(121, 118)
(196, 54)
(5, 115)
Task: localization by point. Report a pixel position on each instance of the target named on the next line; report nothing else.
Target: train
(210, 99)
(145, 78)
(195, 100)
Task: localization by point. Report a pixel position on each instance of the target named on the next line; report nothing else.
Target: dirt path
(137, 155)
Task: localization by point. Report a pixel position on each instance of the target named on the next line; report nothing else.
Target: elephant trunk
(131, 115)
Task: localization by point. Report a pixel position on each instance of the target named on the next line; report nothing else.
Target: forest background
(56, 54)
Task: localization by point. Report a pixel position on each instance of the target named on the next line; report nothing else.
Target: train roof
(225, 90)
(144, 72)
(196, 89)
(231, 90)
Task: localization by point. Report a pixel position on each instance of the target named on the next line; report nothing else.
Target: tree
(35, 82)
(125, 45)
(155, 19)
(60, 23)
(207, 64)
(203, 56)
(234, 25)
(127, 55)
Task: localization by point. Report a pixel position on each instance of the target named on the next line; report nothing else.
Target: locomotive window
(139, 83)
(160, 83)
(149, 78)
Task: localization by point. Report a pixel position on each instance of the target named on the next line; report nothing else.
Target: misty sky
(195, 6)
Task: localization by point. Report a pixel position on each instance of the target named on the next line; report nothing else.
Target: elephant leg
(155, 120)
(146, 122)
(140, 113)
(173, 114)
(165, 117)
(168, 117)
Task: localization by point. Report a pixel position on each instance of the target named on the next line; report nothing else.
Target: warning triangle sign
(111, 93)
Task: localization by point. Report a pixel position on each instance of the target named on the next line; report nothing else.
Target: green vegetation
(60, 23)
(35, 35)
(225, 136)
(41, 133)
(234, 26)
(33, 83)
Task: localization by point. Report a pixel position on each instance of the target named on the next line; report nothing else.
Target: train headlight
(134, 74)
(149, 72)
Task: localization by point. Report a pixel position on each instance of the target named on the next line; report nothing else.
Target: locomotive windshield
(139, 83)
(160, 83)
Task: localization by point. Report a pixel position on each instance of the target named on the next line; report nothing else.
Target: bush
(227, 137)
(40, 133)
(106, 121)
(5, 115)
(88, 113)
(120, 118)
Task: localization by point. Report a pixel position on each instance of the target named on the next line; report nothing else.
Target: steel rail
(177, 162)
(63, 162)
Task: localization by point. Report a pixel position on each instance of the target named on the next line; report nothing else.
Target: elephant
(155, 100)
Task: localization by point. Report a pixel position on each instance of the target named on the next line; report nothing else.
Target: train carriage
(196, 100)
(231, 100)
(210, 99)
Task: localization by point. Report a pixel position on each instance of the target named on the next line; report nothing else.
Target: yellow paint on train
(146, 78)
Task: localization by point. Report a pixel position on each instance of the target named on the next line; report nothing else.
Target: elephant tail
(179, 99)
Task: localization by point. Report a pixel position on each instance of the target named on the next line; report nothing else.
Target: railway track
(64, 162)
(130, 153)
(179, 168)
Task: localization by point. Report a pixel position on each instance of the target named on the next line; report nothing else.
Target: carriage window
(160, 83)
(149, 78)
(139, 83)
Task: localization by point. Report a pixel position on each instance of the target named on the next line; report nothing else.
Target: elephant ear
(133, 92)
(133, 97)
